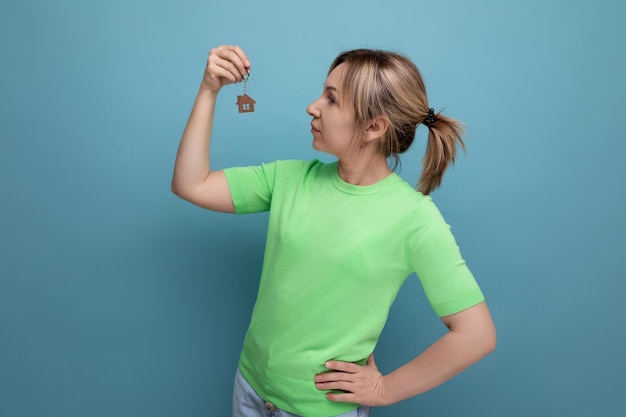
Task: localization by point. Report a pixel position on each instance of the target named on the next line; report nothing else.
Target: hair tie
(430, 118)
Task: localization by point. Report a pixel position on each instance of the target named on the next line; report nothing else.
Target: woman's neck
(363, 170)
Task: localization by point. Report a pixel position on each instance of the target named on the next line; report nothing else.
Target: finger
(347, 397)
(224, 69)
(236, 56)
(336, 385)
(343, 366)
(371, 361)
(218, 66)
(333, 377)
(244, 58)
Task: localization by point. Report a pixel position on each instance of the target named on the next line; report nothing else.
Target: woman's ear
(376, 128)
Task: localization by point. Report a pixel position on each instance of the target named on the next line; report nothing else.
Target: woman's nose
(312, 109)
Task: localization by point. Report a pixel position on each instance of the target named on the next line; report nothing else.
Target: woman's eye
(331, 99)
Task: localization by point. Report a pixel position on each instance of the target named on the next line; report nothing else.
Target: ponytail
(444, 135)
(382, 83)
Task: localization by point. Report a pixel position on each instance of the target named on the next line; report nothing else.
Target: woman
(342, 238)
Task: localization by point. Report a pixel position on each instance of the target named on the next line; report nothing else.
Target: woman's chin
(316, 145)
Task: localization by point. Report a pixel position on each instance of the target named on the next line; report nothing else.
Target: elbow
(475, 329)
(175, 190)
(479, 346)
(485, 334)
(179, 191)
(483, 340)
(489, 341)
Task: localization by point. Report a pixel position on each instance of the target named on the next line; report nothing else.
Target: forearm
(193, 158)
(441, 361)
(444, 359)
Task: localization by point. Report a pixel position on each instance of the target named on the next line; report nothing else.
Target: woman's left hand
(362, 384)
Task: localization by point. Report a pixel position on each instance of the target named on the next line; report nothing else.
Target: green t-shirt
(335, 257)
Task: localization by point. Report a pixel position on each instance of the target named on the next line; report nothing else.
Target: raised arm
(193, 179)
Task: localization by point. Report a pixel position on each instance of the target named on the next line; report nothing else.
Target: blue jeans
(247, 403)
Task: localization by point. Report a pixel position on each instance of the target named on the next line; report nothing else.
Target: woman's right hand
(226, 65)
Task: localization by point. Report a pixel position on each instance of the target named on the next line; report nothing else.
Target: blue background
(117, 298)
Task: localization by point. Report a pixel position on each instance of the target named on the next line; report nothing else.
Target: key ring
(245, 102)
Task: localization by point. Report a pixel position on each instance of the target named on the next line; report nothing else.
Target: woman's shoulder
(294, 163)
(284, 169)
(412, 201)
(289, 166)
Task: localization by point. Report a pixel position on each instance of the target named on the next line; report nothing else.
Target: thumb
(371, 361)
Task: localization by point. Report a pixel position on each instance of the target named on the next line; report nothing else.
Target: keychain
(245, 102)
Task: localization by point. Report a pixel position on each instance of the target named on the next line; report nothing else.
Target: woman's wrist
(208, 91)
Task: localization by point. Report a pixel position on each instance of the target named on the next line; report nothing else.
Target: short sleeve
(252, 187)
(436, 259)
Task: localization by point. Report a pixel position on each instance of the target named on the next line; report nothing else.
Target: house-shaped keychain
(245, 103)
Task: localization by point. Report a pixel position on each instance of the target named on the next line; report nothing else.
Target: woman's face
(333, 120)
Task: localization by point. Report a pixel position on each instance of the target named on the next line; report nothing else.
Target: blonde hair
(381, 83)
